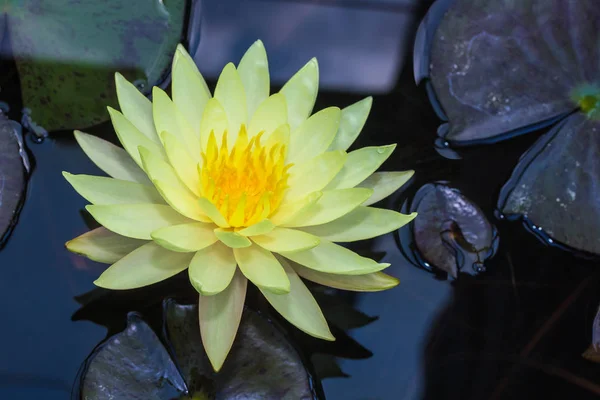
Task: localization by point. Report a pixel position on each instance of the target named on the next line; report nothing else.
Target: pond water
(515, 331)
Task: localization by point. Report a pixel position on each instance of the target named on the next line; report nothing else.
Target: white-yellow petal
(260, 228)
(361, 223)
(168, 184)
(136, 221)
(230, 93)
(102, 190)
(270, 115)
(281, 135)
(212, 269)
(185, 237)
(254, 74)
(144, 266)
(384, 184)
(131, 138)
(286, 240)
(159, 169)
(103, 246)
(110, 158)
(232, 239)
(135, 107)
(190, 92)
(212, 212)
(168, 118)
(352, 121)
(288, 211)
(332, 205)
(214, 119)
(314, 174)
(314, 135)
(374, 282)
(299, 306)
(183, 164)
(360, 164)
(220, 317)
(184, 202)
(301, 93)
(262, 268)
(334, 259)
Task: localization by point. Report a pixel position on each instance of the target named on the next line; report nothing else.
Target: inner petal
(246, 180)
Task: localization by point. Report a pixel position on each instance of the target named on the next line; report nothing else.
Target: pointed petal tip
(278, 290)
(119, 78)
(181, 49)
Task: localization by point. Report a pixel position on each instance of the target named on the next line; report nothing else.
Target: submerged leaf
(14, 167)
(451, 232)
(555, 185)
(67, 52)
(492, 82)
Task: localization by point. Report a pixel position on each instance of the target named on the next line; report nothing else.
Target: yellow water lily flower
(236, 186)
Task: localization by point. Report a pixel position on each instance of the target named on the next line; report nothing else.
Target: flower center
(247, 183)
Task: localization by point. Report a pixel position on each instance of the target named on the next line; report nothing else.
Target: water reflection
(359, 48)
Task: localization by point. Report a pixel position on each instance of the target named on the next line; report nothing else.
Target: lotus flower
(238, 186)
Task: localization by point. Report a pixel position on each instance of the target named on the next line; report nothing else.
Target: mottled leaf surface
(500, 67)
(67, 52)
(451, 232)
(13, 175)
(555, 185)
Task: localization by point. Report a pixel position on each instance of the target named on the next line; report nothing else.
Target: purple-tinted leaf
(555, 186)
(451, 233)
(502, 67)
(132, 365)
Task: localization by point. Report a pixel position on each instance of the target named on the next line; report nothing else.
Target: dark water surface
(516, 331)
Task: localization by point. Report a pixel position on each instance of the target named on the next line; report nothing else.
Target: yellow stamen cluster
(247, 183)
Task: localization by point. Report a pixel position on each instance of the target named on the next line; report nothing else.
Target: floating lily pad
(502, 67)
(497, 68)
(14, 167)
(555, 185)
(67, 52)
(134, 364)
(451, 234)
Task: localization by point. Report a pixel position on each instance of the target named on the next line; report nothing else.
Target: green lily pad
(134, 364)
(67, 52)
(14, 166)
